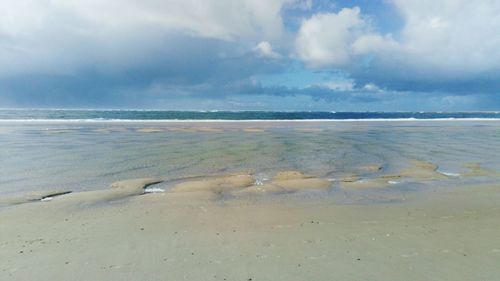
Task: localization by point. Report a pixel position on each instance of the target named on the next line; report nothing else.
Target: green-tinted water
(84, 156)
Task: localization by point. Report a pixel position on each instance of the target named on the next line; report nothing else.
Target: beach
(250, 140)
(315, 200)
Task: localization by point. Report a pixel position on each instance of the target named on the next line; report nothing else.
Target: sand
(287, 182)
(117, 190)
(253, 130)
(261, 190)
(308, 130)
(371, 168)
(419, 171)
(289, 175)
(197, 129)
(219, 184)
(342, 214)
(195, 236)
(476, 170)
(366, 183)
(303, 184)
(149, 130)
(423, 170)
(109, 130)
(208, 130)
(32, 196)
(240, 184)
(55, 131)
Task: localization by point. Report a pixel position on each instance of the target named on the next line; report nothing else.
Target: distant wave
(236, 120)
(91, 115)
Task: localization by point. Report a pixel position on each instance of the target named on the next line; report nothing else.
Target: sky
(290, 55)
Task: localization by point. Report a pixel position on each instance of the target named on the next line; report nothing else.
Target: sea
(150, 115)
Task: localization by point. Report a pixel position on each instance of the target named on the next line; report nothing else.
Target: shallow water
(80, 156)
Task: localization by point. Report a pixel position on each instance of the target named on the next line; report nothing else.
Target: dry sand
(193, 234)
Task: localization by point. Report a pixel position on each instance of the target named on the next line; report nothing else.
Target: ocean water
(80, 155)
(102, 115)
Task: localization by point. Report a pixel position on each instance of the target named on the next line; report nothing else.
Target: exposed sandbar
(149, 130)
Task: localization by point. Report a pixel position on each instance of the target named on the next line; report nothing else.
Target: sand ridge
(253, 130)
(288, 182)
(32, 197)
(118, 190)
(419, 170)
(215, 184)
(240, 184)
(149, 130)
(235, 184)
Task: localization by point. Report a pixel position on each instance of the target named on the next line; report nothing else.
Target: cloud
(66, 36)
(222, 19)
(457, 37)
(442, 45)
(334, 39)
(265, 50)
(121, 53)
(162, 52)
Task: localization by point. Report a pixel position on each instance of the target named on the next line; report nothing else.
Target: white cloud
(370, 43)
(349, 85)
(265, 50)
(460, 37)
(324, 38)
(440, 38)
(334, 39)
(371, 87)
